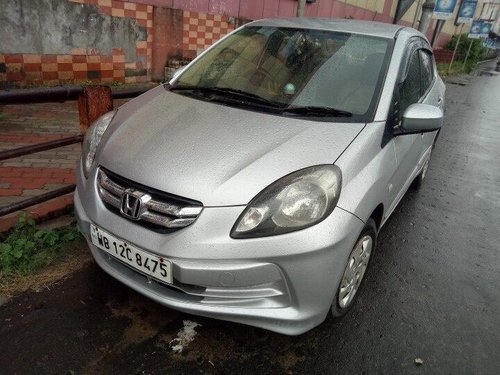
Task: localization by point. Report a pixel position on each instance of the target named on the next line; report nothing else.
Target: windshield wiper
(242, 97)
(316, 111)
(226, 92)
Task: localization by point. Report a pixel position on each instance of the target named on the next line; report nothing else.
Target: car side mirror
(421, 118)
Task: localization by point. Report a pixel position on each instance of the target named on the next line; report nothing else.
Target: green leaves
(474, 46)
(70, 236)
(51, 238)
(25, 221)
(27, 248)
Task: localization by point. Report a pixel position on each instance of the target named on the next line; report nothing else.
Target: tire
(344, 299)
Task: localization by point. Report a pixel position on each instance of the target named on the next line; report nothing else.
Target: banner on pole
(444, 9)
(480, 29)
(467, 11)
(492, 43)
(485, 30)
(475, 29)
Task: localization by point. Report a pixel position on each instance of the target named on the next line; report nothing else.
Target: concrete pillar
(301, 7)
(167, 39)
(425, 19)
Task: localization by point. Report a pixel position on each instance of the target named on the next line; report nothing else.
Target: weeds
(456, 68)
(27, 248)
(474, 46)
(473, 49)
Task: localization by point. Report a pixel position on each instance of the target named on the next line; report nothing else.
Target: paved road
(432, 293)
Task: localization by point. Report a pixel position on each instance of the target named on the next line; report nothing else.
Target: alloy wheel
(354, 271)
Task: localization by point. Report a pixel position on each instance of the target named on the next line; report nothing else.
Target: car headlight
(296, 201)
(92, 139)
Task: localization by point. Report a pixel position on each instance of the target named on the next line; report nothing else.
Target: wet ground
(432, 292)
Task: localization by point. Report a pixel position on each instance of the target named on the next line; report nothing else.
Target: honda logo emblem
(133, 203)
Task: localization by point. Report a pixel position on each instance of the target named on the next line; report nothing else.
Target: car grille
(157, 210)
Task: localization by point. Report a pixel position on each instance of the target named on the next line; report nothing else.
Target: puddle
(184, 337)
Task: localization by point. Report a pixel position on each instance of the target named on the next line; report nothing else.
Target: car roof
(380, 29)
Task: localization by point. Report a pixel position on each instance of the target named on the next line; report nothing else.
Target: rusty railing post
(93, 103)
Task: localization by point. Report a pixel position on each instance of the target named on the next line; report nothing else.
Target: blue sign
(444, 9)
(467, 11)
(480, 29)
(486, 28)
(475, 29)
(492, 43)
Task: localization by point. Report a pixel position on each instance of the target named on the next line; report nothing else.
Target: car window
(296, 68)
(348, 79)
(427, 70)
(410, 90)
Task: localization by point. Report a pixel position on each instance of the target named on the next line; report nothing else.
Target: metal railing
(59, 94)
(93, 101)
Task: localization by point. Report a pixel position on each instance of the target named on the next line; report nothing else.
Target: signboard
(444, 9)
(475, 29)
(467, 11)
(485, 30)
(492, 43)
(480, 29)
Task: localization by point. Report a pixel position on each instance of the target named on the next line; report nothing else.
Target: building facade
(53, 42)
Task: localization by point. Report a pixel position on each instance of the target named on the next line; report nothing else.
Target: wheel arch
(377, 215)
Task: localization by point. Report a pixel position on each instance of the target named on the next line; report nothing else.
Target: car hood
(216, 154)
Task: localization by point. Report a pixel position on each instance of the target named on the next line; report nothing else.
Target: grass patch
(27, 249)
(456, 68)
(72, 259)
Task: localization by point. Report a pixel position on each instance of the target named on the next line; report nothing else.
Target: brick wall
(197, 31)
(86, 64)
(444, 56)
(182, 34)
(181, 29)
(200, 30)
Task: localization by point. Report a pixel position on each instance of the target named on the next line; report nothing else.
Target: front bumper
(283, 283)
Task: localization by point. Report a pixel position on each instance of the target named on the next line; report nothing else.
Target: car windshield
(296, 72)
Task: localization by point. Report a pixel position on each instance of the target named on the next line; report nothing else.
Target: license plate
(142, 261)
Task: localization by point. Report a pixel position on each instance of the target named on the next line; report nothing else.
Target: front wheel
(355, 269)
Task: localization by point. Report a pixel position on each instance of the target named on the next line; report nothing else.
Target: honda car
(251, 187)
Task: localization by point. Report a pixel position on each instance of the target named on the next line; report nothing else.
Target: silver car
(252, 186)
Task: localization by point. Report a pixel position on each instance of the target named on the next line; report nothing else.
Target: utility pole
(455, 50)
(425, 19)
(301, 7)
(437, 30)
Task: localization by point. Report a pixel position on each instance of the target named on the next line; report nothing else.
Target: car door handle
(440, 100)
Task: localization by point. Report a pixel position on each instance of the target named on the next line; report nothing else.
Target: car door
(408, 148)
(433, 91)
